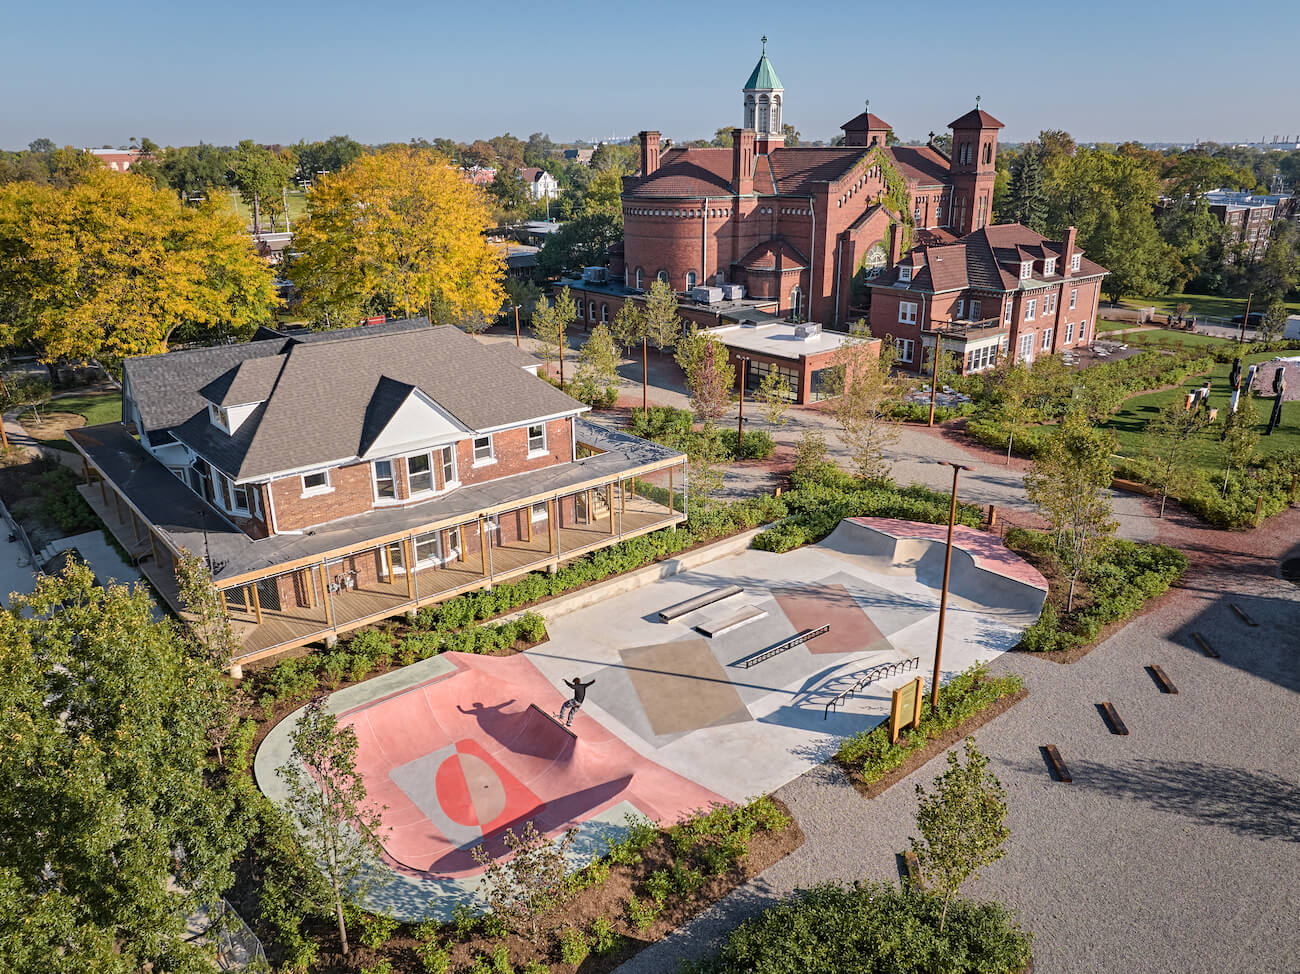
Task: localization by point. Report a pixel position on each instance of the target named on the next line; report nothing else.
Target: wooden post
(463, 554)
(135, 524)
(153, 546)
(408, 562)
(622, 498)
(589, 505)
(257, 602)
(609, 502)
(993, 516)
(325, 594)
(117, 506)
(85, 467)
(550, 526)
(528, 520)
(482, 548)
(309, 586)
(672, 507)
(103, 492)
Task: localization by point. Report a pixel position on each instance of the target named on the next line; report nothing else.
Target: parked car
(1256, 319)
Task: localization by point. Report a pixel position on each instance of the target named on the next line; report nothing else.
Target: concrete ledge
(639, 577)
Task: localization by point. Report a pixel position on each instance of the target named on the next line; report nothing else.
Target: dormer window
(1049, 267)
(220, 416)
(1026, 269)
(905, 273)
(1074, 262)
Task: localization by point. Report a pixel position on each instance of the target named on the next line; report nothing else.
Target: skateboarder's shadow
(515, 731)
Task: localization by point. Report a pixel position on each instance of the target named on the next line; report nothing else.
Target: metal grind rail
(881, 672)
(780, 648)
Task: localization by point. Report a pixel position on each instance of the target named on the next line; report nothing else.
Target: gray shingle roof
(328, 395)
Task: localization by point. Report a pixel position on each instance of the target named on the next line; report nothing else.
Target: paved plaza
(723, 703)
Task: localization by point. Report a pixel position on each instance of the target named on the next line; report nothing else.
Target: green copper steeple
(764, 75)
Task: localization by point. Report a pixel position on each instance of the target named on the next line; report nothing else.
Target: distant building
(581, 156)
(480, 175)
(541, 184)
(118, 160)
(1249, 219)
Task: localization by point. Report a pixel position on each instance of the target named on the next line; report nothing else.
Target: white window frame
(1049, 267)
(1074, 261)
(1047, 340)
(905, 273)
(533, 514)
(447, 458)
(961, 307)
(1069, 332)
(1031, 309)
(906, 349)
(974, 309)
(392, 477)
(433, 478)
(591, 310)
(440, 556)
(325, 488)
(1006, 312)
(536, 451)
(491, 450)
(1083, 331)
(690, 280)
(907, 312)
(580, 308)
(1026, 348)
(219, 416)
(1026, 269)
(1074, 297)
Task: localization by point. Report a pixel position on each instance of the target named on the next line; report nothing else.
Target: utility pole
(957, 468)
(740, 423)
(645, 374)
(934, 381)
(516, 326)
(1245, 318)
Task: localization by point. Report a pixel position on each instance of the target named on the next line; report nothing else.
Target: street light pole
(1245, 318)
(516, 326)
(740, 423)
(957, 468)
(934, 381)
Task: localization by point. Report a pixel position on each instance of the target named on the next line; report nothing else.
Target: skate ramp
(983, 572)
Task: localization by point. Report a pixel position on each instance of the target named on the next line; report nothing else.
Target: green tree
(1014, 406)
(258, 174)
(1275, 319)
(626, 328)
(1027, 203)
(598, 365)
(722, 138)
(551, 327)
(205, 609)
(775, 395)
(791, 136)
(112, 835)
(710, 376)
(1276, 274)
(150, 269)
(660, 325)
(962, 822)
(510, 194)
(327, 795)
(864, 393)
(523, 294)
(1070, 484)
(594, 223)
(1167, 447)
(317, 159)
(1240, 437)
(528, 880)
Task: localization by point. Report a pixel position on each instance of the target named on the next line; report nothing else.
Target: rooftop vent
(595, 275)
(706, 295)
(807, 331)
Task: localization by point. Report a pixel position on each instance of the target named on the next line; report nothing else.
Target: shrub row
(675, 429)
(1203, 494)
(1125, 575)
(871, 928)
(818, 503)
(919, 412)
(869, 756)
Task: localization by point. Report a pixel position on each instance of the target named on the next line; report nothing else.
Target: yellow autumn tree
(111, 267)
(398, 231)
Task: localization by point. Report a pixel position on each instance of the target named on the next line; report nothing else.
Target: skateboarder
(570, 707)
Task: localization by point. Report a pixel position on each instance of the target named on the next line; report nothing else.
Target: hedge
(1125, 575)
(1204, 497)
(817, 504)
(675, 429)
(869, 756)
(871, 928)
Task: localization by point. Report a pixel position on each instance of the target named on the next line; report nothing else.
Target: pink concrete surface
(987, 550)
(506, 765)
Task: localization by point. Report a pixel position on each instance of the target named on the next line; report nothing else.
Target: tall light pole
(1245, 319)
(516, 326)
(957, 468)
(934, 380)
(740, 423)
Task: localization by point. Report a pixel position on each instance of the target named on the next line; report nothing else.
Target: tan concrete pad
(682, 687)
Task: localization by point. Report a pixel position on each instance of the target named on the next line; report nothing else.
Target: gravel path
(1176, 847)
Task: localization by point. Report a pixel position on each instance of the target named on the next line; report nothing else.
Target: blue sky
(92, 73)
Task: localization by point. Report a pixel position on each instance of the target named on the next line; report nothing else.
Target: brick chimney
(649, 152)
(742, 161)
(1068, 253)
(895, 243)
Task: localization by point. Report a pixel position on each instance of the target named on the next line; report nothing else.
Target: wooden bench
(1058, 766)
(1242, 613)
(1166, 684)
(1112, 718)
(913, 869)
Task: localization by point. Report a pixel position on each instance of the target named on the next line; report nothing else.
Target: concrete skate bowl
(458, 760)
(984, 573)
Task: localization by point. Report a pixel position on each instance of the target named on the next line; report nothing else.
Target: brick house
(1001, 289)
(793, 231)
(333, 479)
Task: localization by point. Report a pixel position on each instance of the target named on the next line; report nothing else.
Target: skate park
(713, 685)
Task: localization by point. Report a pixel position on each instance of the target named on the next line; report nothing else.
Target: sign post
(905, 711)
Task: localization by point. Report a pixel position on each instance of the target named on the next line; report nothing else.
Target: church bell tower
(764, 101)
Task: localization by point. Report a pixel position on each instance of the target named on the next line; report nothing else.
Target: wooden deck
(266, 627)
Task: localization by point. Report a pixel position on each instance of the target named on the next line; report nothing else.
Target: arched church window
(749, 111)
(763, 114)
(663, 276)
(796, 299)
(690, 280)
(776, 113)
(988, 153)
(875, 260)
(638, 278)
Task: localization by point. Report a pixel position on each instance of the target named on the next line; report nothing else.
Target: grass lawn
(1202, 304)
(297, 208)
(1131, 421)
(1104, 324)
(1169, 336)
(99, 407)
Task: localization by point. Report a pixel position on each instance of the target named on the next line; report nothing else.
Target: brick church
(765, 231)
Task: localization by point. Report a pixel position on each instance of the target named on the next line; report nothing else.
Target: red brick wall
(353, 486)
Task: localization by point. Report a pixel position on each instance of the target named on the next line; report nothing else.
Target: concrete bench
(699, 602)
